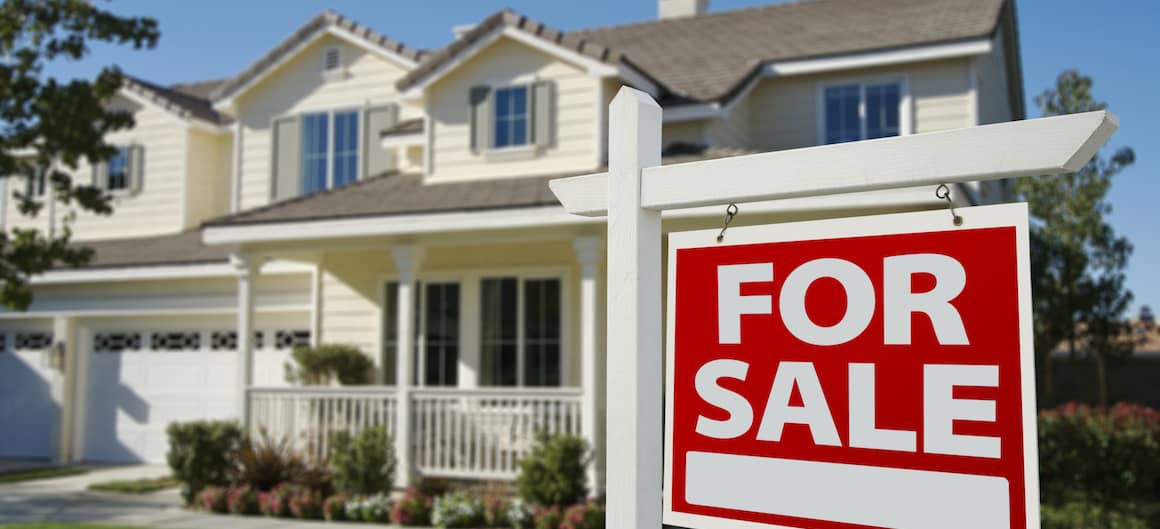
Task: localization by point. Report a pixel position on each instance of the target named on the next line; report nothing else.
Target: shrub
(519, 514)
(334, 507)
(306, 504)
(1105, 456)
(213, 498)
(276, 502)
(546, 517)
(263, 462)
(1082, 515)
(322, 364)
(242, 500)
(495, 511)
(457, 510)
(364, 465)
(199, 454)
(413, 509)
(373, 509)
(587, 515)
(553, 473)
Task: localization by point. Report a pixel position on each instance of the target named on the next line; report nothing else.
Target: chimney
(667, 9)
(461, 29)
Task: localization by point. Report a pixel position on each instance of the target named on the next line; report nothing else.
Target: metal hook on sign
(730, 212)
(944, 193)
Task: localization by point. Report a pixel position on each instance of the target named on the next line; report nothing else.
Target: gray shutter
(479, 100)
(376, 159)
(543, 113)
(136, 168)
(287, 158)
(101, 176)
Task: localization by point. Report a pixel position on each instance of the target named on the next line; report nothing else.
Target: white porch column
(407, 258)
(589, 251)
(247, 270)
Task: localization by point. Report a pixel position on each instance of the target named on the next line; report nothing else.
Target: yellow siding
(209, 177)
(732, 130)
(993, 89)
(505, 62)
(298, 86)
(353, 282)
(785, 110)
(156, 210)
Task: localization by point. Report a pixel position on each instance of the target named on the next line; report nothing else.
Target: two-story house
(347, 188)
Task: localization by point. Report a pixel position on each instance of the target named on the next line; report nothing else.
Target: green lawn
(39, 473)
(136, 486)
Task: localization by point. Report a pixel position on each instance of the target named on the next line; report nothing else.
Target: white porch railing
(459, 433)
(307, 416)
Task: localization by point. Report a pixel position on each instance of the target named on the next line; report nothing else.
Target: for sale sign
(853, 373)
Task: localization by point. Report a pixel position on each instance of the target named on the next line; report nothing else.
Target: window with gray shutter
(543, 113)
(376, 159)
(479, 102)
(286, 163)
(101, 176)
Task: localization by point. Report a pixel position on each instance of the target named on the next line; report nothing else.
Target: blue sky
(1116, 43)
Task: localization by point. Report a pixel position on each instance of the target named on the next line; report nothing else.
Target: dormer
(511, 97)
(310, 112)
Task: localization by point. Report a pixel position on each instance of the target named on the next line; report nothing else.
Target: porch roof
(397, 194)
(182, 248)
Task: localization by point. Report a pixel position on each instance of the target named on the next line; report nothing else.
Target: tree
(47, 127)
(1077, 259)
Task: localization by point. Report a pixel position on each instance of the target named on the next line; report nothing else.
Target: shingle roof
(708, 57)
(181, 99)
(397, 194)
(182, 248)
(321, 21)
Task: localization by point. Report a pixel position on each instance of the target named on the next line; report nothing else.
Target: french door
(436, 349)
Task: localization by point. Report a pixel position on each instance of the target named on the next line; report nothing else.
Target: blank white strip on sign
(856, 494)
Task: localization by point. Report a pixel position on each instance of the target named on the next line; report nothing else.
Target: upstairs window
(124, 172)
(862, 111)
(345, 164)
(315, 146)
(118, 177)
(511, 117)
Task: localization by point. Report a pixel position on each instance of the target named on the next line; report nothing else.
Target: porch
(500, 339)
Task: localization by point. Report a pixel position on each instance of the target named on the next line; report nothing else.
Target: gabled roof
(321, 22)
(502, 19)
(183, 100)
(707, 57)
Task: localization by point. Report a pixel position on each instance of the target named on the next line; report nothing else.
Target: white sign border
(1003, 215)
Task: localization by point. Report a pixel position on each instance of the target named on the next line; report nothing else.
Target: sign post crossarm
(1031, 147)
(634, 458)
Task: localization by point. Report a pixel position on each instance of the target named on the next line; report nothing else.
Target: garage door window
(32, 340)
(176, 341)
(115, 342)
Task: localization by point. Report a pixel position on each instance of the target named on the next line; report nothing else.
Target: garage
(28, 413)
(143, 377)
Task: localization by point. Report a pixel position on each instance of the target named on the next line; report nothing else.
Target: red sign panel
(853, 373)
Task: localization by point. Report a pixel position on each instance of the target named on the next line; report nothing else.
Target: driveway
(68, 500)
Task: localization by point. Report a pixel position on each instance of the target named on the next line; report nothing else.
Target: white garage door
(27, 411)
(142, 380)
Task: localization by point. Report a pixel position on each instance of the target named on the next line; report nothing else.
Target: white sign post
(636, 189)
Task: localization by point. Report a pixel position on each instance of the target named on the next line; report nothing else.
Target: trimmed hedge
(200, 453)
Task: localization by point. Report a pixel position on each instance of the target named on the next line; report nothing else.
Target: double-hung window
(330, 148)
(118, 167)
(511, 117)
(862, 111)
(521, 338)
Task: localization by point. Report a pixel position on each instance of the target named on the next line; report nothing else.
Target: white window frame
(905, 102)
(471, 321)
(330, 112)
(529, 144)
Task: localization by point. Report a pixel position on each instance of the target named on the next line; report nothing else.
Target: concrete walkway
(68, 500)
